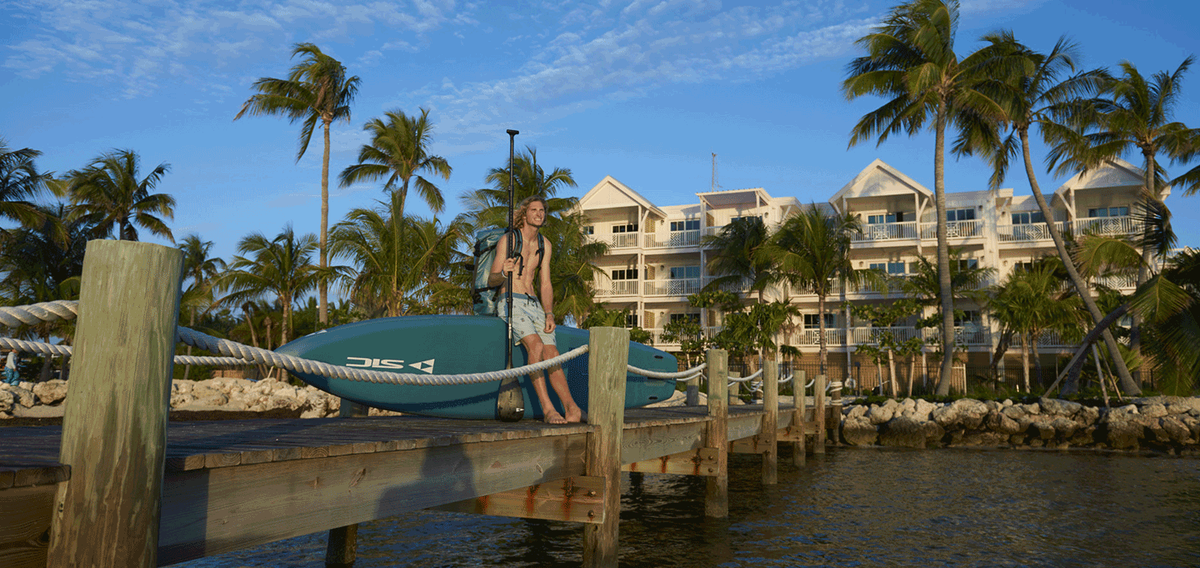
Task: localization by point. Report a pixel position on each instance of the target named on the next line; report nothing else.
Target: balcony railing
(886, 232)
(1025, 232)
(675, 239)
(623, 240)
(954, 229)
(1117, 282)
(617, 288)
(869, 335)
(833, 336)
(1107, 226)
(741, 286)
(676, 287)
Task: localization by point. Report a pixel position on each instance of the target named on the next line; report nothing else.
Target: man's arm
(547, 289)
(498, 275)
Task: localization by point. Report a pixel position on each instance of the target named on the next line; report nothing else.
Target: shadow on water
(850, 507)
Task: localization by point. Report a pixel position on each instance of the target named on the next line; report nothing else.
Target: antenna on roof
(715, 184)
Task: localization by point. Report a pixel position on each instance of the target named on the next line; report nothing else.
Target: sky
(644, 91)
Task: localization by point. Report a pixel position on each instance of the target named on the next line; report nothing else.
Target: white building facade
(656, 257)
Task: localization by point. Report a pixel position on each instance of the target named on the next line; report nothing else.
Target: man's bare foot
(553, 417)
(576, 415)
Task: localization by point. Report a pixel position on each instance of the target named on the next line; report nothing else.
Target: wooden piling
(342, 547)
(608, 359)
(716, 493)
(735, 389)
(770, 426)
(819, 402)
(799, 418)
(115, 423)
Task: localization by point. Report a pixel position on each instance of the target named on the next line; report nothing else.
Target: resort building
(656, 256)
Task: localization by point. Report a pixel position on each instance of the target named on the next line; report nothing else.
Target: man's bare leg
(534, 348)
(558, 380)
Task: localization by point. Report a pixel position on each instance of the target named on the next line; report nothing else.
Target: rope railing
(685, 375)
(754, 375)
(236, 353)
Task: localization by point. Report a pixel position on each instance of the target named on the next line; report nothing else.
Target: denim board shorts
(530, 318)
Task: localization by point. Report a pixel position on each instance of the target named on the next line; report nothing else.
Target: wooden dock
(115, 486)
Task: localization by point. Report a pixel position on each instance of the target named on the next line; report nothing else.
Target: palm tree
(399, 152)
(110, 191)
(316, 89)
(1029, 303)
(281, 268)
(1133, 115)
(967, 284)
(1036, 96)
(202, 270)
(395, 277)
(19, 182)
(811, 251)
(733, 257)
(911, 61)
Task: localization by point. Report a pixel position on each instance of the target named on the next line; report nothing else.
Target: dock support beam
(819, 399)
(342, 547)
(770, 427)
(115, 423)
(608, 358)
(716, 492)
(799, 417)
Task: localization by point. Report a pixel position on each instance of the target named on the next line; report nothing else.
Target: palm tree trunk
(892, 375)
(1128, 385)
(1025, 359)
(1135, 331)
(943, 253)
(822, 351)
(1037, 359)
(912, 371)
(323, 287)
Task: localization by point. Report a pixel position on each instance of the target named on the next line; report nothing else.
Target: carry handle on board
(510, 401)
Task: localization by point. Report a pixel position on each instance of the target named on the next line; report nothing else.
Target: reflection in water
(852, 507)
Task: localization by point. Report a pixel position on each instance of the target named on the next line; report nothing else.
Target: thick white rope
(755, 375)
(52, 311)
(65, 350)
(688, 373)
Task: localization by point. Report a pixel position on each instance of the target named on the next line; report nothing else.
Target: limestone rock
(6, 400)
(1154, 410)
(903, 432)
(1175, 429)
(1059, 407)
(855, 411)
(1064, 427)
(859, 431)
(1041, 428)
(881, 414)
(1121, 432)
(51, 392)
(23, 396)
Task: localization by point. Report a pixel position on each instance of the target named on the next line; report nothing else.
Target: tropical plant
(690, 337)
(886, 342)
(602, 316)
(20, 182)
(399, 153)
(199, 270)
(811, 251)
(1038, 94)
(733, 260)
(968, 283)
(1030, 303)
(911, 61)
(1132, 115)
(109, 192)
(280, 268)
(316, 89)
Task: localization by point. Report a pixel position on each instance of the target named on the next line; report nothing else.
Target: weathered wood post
(115, 423)
(770, 427)
(735, 389)
(835, 412)
(692, 394)
(819, 402)
(608, 360)
(342, 547)
(800, 417)
(716, 492)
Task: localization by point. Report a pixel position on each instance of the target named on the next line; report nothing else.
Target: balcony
(617, 288)
(623, 240)
(740, 287)
(676, 287)
(1029, 232)
(870, 335)
(676, 239)
(1117, 282)
(886, 232)
(833, 336)
(1106, 226)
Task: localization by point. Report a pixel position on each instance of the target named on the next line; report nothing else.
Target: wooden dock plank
(24, 533)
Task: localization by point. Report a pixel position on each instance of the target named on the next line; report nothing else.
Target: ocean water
(848, 508)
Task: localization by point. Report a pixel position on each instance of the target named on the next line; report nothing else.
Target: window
(690, 225)
(589, 230)
(629, 228)
(967, 317)
(897, 217)
(631, 320)
(1022, 267)
(682, 272)
(694, 318)
(888, 267)
(811, 321)
(965, 264)
(1026, 218)
(1109, 212)
(625, 274)
(960, 215)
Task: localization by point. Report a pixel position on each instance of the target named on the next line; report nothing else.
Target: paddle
(510, 401)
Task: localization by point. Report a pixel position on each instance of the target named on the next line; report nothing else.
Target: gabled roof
(1114, 173)
(871, 181)
(724, 197)
(610, 193)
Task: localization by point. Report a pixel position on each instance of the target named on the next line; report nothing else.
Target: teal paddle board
(453, 345)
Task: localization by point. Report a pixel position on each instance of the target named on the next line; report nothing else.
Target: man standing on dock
(533, 324)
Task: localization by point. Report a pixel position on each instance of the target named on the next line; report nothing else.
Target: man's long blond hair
(523, 208)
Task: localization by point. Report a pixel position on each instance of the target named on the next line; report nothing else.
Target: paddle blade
(510, 401)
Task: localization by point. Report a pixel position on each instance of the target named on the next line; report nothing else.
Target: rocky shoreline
(1162, 423)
